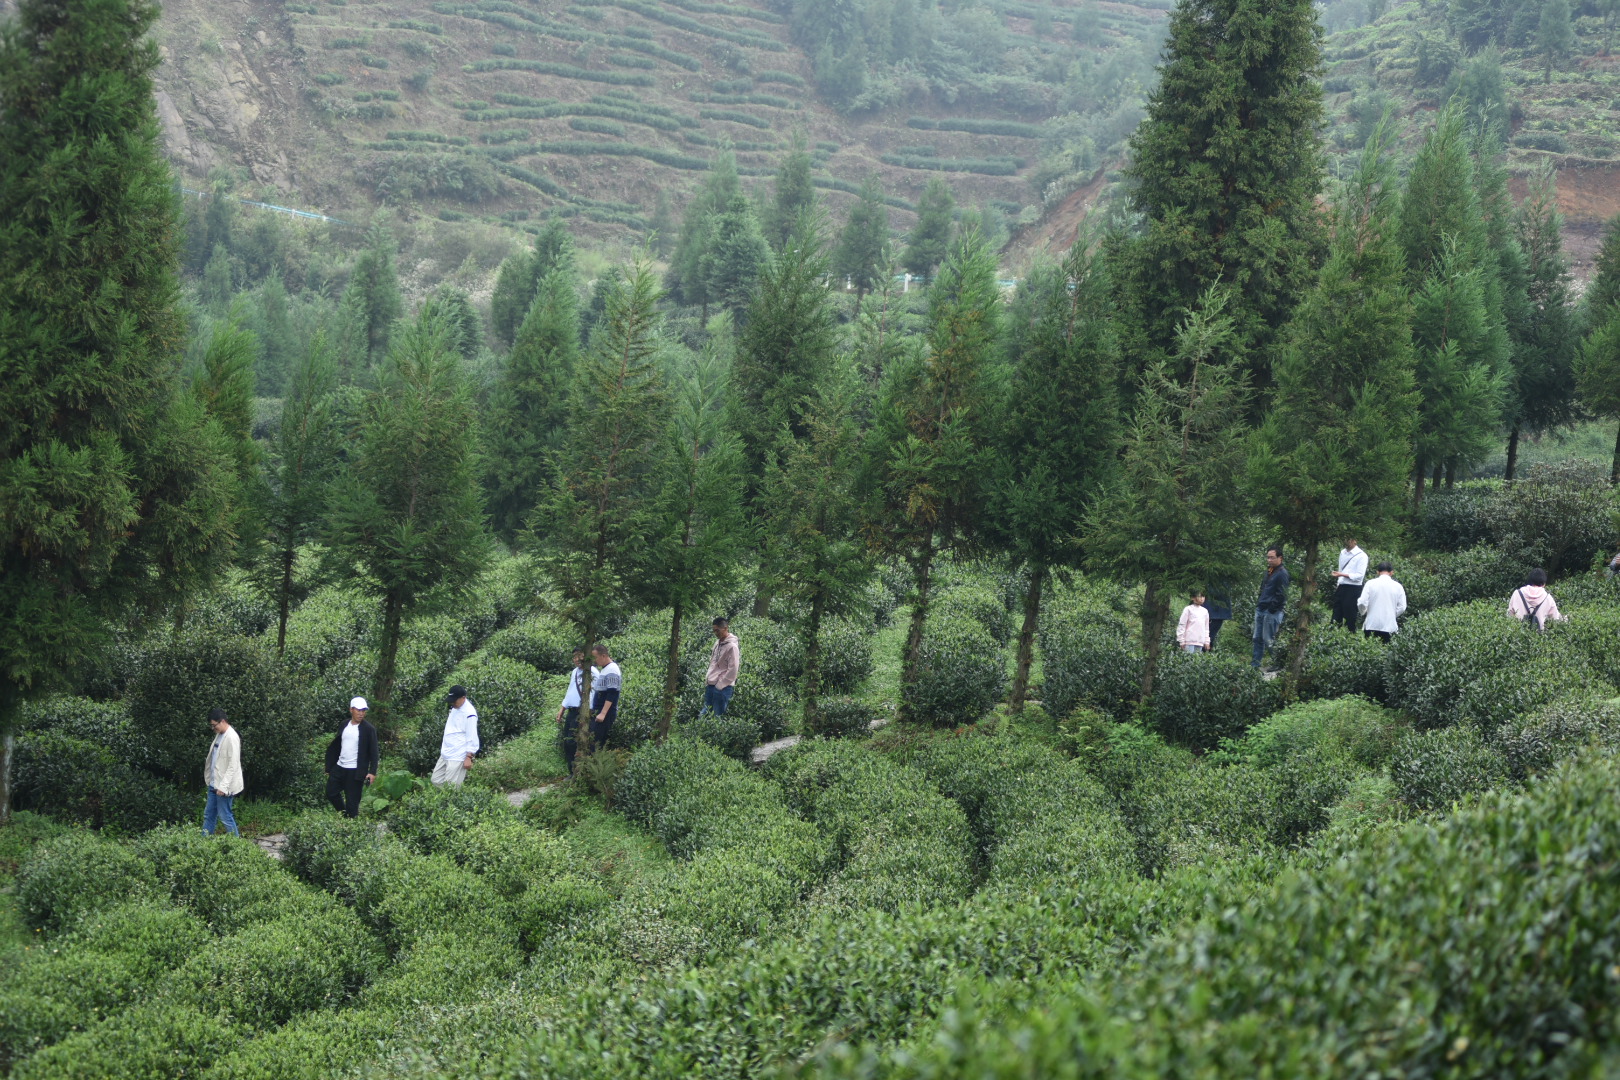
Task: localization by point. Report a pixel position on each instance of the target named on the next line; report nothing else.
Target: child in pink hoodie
(1533, 601)
(1192, 632)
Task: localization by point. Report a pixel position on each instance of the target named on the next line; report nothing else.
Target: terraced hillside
(514, 109)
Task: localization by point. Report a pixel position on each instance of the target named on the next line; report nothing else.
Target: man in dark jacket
(1268, 609)
(351, 760)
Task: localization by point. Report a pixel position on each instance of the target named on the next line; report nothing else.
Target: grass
(612, 846)
(527, 761)
(882, 687)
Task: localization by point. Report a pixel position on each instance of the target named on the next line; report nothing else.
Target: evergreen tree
(1440, 209)
(930, 238)
(699, 529)
(1603, 291)
(795, 195)
(302, 463)
(934, 430)
(1555, 35)
(662, 225)
(520, 275)
(1332, 456)
(272, 325)
(862, 245)
(1058, 433)
(1542, 395)
(1597, 376)
(1481, 92)
(371, 302)
(686, 279)
(408, 517)
(735, 257)
(1228, 165)
(1168, 521)
(218, 282)
(593, 530)
(601, 289)
(529, 409)
(455, 308)
(114, 485)
(224, 388)
(814, 554)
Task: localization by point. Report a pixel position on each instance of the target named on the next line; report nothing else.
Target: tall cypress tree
(862, 244)
(930, 238)
(1058, 433)
(734, 258)
(114, 484)
(934, 429)
(520, 276)
(794, 194)
(686, 280)
(1597, 376)
(371, 302)
(455, 308)
(1332, 457)
(408, 517)
(1542, 394)
(1603, 291)
(528, 410)
(224, 388)
(1167, 522)
(1227, 164)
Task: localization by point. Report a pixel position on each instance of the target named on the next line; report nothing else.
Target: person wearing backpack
(1532, 601)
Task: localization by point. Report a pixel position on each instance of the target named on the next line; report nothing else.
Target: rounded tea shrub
(1433, 769)
(1200, 700)
(844, 718)
(1539, 742)
(1455, 518)
(960, 674)
(734, 736)
(1559, 515)
(94, 784)
(980, 603)
(1089, 660)
(70, 875)
(539, 640)
(193, 672)
(1339, 664)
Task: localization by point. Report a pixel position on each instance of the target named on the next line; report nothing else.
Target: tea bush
(979, 603)
(960, 673)
(1455, 519)
(1089, 660)
(732, 735)
(511, 698)
(69, 876)
(1433, 769)
(75, 758)
(1201, 699)
(1541, 741)
(1557, 516)
(539, 641)
(158, 1038)
(844, 718)
(1340, 664)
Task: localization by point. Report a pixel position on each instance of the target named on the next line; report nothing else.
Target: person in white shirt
(351, 760)
(568, 712)
(605, 687)
(222, 774)
(460, 740)
(1351, 575)
(1192, 630)
(1383, 601)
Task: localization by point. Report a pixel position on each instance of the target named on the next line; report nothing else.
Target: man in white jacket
(222, 774)
(1382, 602)
(1351, 576)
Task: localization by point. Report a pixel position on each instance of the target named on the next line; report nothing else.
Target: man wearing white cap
(351, 760)
(460, 741)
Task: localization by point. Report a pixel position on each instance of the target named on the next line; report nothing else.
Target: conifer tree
(934, 430)
(930, 238)
(1228, 165)
(1058, 433)
(371, 302)
(1168, 520)
(272, 325)
(1542, 394)
(862, 244)
(408, 517)
(114, 485)
(302, 463)
(528, 410)
(520, 276)
(794, 194)
(686, 280)
(224, 388)
(1597, 376)
(454, 307)
(1555, 35)
(661, 226)
(1603, 291)
(1440, 209)
(735, 257)
(593, 529)
(1332, 456)
(699, 529)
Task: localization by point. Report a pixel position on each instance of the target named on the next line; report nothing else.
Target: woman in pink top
(1532, 601)
(1192, 632)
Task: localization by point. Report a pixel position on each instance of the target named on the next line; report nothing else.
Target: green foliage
(1200, 700)
(74, 875)
(1557, 516)
(1455, 518)
(1537, 744)
(959, 676)
(1341, 664)
(844, 718)
(861, 253)
(1090, 660)
(1434, 769)
(732, 735)
(794, 195)
(930, 238)
(540, 641)
(86, 779)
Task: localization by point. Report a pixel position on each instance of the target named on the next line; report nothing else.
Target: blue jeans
(715, 699)
(1266, 625)
(219, 810)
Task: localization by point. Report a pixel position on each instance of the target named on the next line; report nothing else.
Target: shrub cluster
(1200, 699)
(1089, 660)
(960, 673)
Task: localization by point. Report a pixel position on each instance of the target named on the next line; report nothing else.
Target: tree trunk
(382, 683)
(1302, 623)
(810, 688)
(1026, 637)
(672, 672)
(1417, 488)
(922, 572)
(1614, 470)
(289, 556)
(1451, 474)
(1512, 454)
(8, 743)
(1439, 472)
(1155, 613)
(762, 596)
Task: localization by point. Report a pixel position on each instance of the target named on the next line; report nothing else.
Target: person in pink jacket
(1532, 601)
(1192, 631)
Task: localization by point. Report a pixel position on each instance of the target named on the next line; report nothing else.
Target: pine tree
(224, 388)
(1332, 456)
(115, 483)
(1170, 520)
(735, 257)
(455, 308)
(862, 244)
(930, 238)
(592, 531)
(699, 529)
(1597, 376)
(934, 429)
(272, 325)
(528, 410)
(371, 302)
(795, 195)
(1058, 431)
(686, 280)
(520, 276)
(1555, 35)
(302, 464)
(1440, 208)
(1228, 165)
(1542, 394)
(408, 517)
(1603, 291)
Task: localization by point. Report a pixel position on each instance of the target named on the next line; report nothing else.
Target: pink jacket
(1534, 598)
(1193, 629)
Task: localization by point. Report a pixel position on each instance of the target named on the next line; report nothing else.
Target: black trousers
(344, 788)
(1215, 631)
(1381, 635)
(1345, 598)
(601, 731)
(568, 737)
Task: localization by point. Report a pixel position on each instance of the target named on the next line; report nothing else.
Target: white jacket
(228, 766)
(1382, 601)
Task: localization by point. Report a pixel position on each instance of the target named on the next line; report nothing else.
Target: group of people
(352, 757)
(1377, 604)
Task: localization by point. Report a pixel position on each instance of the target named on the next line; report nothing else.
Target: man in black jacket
(351, 760)
(1268, 609)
